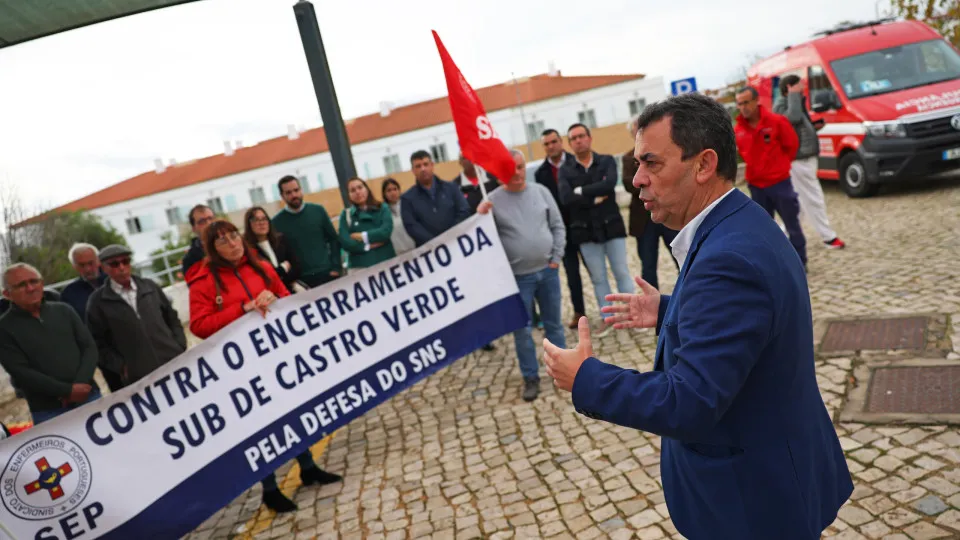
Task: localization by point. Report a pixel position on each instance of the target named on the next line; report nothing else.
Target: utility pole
(333, 127)
(523, 118)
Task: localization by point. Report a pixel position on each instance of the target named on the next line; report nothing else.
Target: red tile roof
(313, 141)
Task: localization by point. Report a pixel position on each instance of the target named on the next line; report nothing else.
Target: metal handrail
(168, 271)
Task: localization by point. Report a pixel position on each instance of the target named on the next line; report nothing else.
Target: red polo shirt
(767, 148)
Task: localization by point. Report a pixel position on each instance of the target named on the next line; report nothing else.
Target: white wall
(610, 105)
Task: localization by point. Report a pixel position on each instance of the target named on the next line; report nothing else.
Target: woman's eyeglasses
(228, 238)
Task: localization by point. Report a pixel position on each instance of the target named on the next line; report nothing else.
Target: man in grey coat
(132, 321)
(803, 170)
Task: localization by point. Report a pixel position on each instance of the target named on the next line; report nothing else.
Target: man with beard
(308, 229)
(201, 216)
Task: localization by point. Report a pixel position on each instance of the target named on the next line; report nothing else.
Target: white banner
(157, 458)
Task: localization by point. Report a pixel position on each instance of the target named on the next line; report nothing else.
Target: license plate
(953, 153)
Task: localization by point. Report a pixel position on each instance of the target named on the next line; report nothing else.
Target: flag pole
(7, 531)
(483, 186)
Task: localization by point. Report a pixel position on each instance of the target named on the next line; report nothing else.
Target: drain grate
(876, 334)
(915, 390)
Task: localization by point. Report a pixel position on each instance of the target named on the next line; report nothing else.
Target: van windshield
(897, 68)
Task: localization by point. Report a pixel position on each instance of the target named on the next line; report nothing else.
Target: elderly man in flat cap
(133, 322)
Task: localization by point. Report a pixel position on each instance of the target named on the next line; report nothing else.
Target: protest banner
(157, 458)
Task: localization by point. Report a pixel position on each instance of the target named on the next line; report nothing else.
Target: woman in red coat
(231, 282)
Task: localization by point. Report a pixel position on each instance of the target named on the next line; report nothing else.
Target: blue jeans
(648, 249)
(783, 199)
(595, 256)
(545, 287)
(40, 417)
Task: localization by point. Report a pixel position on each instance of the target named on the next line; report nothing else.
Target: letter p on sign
(683, 86)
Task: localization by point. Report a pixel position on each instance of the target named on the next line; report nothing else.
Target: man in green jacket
(308, 229)
(45, 347)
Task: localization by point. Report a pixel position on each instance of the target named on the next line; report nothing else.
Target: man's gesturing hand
(563, 364)
(634, 310)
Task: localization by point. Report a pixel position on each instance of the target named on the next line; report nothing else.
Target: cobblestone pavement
(461, 455)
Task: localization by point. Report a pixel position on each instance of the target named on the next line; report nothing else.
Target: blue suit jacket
(749, 450)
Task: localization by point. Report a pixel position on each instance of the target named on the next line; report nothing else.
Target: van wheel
(853, 177)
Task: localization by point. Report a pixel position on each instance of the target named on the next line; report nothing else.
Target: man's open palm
(634, 310)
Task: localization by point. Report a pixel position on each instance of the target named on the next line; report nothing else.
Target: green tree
(942, 15)
(45, 243)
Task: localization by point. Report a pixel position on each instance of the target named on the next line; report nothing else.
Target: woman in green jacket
(365, 227)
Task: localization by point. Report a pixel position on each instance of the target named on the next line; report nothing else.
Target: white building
(146, 206)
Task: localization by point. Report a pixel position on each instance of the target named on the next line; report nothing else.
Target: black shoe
(531, 389)
(488, 347)
(316, 475)
(278, 502)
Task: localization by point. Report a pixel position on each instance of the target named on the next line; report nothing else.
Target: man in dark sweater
(44, 346)
(201, 216)
(548, 175)
(310, 233)
(84, 259)
(431, 206)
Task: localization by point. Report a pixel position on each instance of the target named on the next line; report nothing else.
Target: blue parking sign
(683, 86)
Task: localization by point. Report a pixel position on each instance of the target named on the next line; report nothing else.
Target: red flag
(478, 141)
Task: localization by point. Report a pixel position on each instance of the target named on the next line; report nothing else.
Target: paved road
(461, 455)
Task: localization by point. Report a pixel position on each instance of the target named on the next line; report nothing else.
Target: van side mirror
(825, 100)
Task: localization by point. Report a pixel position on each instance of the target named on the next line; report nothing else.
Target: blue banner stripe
(186, 506)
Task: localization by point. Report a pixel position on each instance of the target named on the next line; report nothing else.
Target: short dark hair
(286, 180)
(578, 124)
(787, 81)
(191, 218)
(753, 91)
(550, 131)
(697, 123)
(420, 154)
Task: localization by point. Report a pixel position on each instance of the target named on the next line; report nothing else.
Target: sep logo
(45, 478)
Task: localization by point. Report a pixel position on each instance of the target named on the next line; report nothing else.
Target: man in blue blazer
(749, 450)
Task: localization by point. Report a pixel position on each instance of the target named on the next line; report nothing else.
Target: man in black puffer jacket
(587, 188)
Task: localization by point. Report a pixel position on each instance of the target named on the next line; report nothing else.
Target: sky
(85, 109)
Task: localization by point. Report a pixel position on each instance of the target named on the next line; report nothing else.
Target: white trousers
(803, 176)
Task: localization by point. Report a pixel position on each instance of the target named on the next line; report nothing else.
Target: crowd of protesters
(110, 319)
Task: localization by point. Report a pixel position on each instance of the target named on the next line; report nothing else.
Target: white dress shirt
(680, 246)
(128, 294)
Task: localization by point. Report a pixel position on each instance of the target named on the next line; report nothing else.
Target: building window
(304, 184)
(439, 152)
(231, 203)
(216, 205)
(174, 216)
(534, 129)
(257, 198)
(391, 163)
(587, 118)
(323, 186)
(637, 106)
(133, 225)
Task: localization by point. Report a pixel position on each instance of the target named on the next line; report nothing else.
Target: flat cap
(113, 250)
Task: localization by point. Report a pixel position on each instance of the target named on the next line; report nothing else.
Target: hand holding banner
(478, 141)
(157, 458)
